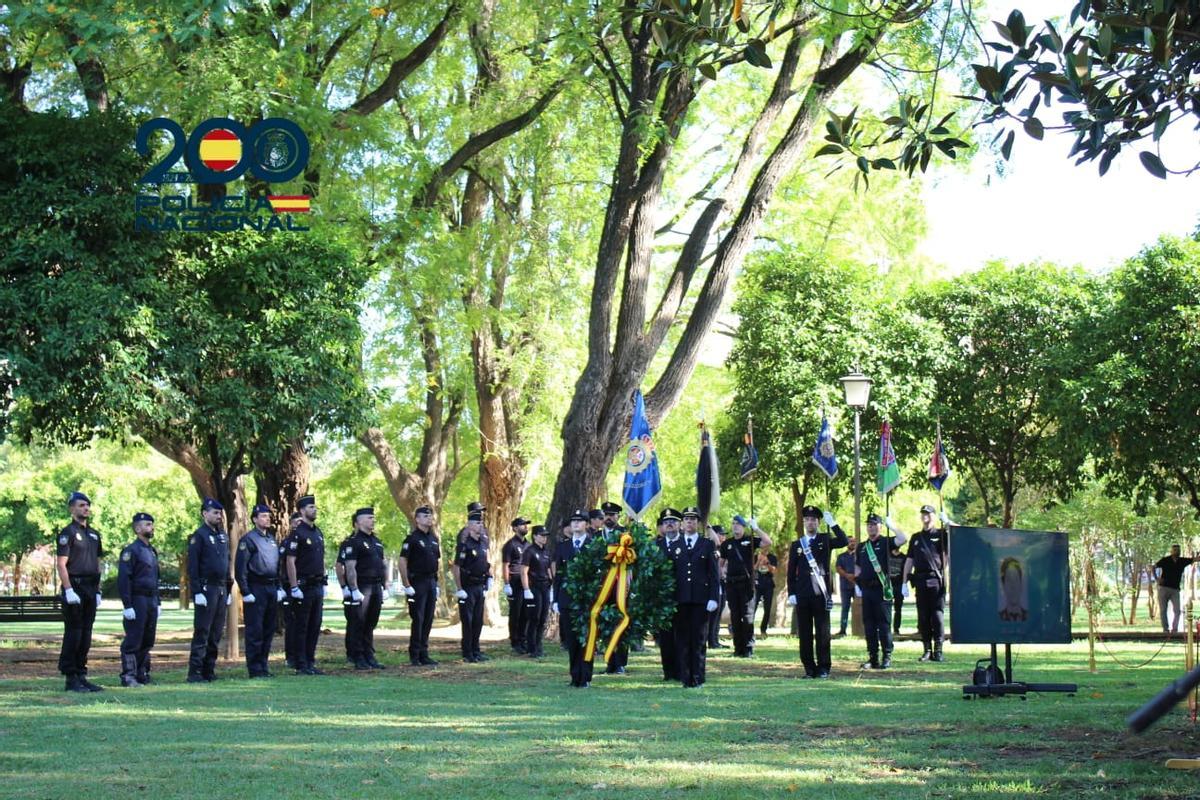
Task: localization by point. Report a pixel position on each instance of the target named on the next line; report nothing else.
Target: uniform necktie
(578, 543)
(691, 542)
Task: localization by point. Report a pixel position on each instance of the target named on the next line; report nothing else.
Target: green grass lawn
(512, 728)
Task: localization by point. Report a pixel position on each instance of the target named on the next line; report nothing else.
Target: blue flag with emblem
(823, 455)
(643, 484)
(939, 465)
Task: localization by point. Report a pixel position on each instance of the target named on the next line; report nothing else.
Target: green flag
(887, 473)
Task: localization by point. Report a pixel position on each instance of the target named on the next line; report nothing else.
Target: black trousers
(365, 615)
(420, 610)
(290, 608)
(470, 613)
(516, 612)
(308, 615)
(813, 619)
(620, 657)
(77, 628)
(931, 606)
(877, 623)
(666, 650)
(581, 668)
(766, 601)
(741, 614)
(208, 626)
(690, 642)
(260, 626)
(714, 619)
(897, 601)
(533, 617)
(350, 613)
(139, 638)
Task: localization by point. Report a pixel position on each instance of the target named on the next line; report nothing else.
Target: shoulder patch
(292, 546)
(125, 556)
(64, 539)
(195, 539)
(241, 545)
(346, 553)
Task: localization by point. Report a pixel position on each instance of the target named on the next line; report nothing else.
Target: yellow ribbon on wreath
(621, 555)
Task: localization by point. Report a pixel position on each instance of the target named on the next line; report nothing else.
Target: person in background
(846, 588)
(1168, 572)
(137, 583)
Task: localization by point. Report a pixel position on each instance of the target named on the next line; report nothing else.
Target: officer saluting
(137, 583)
(697, 588)
(511, 555)
(366, 578)
(809, 590)
(537, 573)
(472, 573)
(871, 569)
(926, 564)
(419, 558)
(566, 606)
(256, 570)
(306, 579)
(78, 563)
(208, 571)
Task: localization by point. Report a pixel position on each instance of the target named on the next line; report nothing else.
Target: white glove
(356, 596)
(437, 591)
(322, 592)
(857, 591)
(528, 593)
(944, 517)
(488, 588)
(297, 594)
(712, 606)
(200, 600)
(887, 523)
(345, 592)
(384, 594)
(410, 591)
(507, 590)
(279, 595)
(247, 598)
(129, 613)
(904, 590)
(71, 597)
(791, 599)
(461, 594)
(753, 523)
(99, 599)
(554, 607)
(229, 598)
(829, 520)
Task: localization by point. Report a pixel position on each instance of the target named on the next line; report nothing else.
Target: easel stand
(1010, 686)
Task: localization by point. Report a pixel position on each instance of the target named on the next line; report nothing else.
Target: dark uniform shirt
(512, 553)
(1172, 571)
(927, 550)
(800, 576)
(882, 547)
(307, 546)
(472, 561)
(562, 557)
(285, 547)
(538, 561)
(366, 551)
(423, 551)
(697, 574)
(81, 545)
(137, 572)
(208, 558)
(739, 557)
(257, 560)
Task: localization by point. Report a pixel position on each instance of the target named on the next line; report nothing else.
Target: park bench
(31, 608)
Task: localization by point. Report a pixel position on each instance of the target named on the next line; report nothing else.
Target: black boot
(73, 685)
(937, 652)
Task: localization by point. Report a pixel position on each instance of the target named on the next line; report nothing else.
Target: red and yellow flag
(289, 203)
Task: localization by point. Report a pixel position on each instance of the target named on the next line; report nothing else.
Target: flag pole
(754, 474)
(938, 445)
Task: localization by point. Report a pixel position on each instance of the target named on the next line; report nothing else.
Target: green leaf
(1034, 128)
(988, 78)
(756, 54)
(829, 150)
(1153, 164)
(1006, 148)
(708, 71)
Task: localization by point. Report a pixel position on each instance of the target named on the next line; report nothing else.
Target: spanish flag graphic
(289, 203)
(220, 150)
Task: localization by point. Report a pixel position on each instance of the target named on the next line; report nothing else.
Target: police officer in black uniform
(256, 570)
(366, 578)
(536, 574)
(668, 529)
(567, 607)
(697, 588)
(208, 574)
(137, 583)
(511, 555)
(472, 573)
(871, 569)
(420, 556)
(612, 528)
(766, 565)
(306, 582)
(896, 560)
(738, 552)
(926, 566)
(78, 563)
(289, 608)
(474, 507)
(809, 590)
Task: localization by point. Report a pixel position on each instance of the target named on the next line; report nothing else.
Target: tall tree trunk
(17, 573)
(185, 600)
(283, 482)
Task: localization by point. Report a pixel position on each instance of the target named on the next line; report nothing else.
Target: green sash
(883, 578)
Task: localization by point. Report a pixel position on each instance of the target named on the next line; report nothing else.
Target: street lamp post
(858, 390)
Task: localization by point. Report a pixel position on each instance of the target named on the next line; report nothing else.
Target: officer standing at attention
(697, 588)
(809, 590)
(612, 530)
(926, 565)
(668, 529)
(871, 569)
(738, 552)
(78, 564)
(472, 573)
(419, 558)
(289, 608)
(537, 573)
(511, 555)
(256, 570)
(349, 607)
(366, 578)
(567, 607)
(208, 573)
(137, 583)
(844, 566)
(765, 565)
(306, 579)
(474, 507)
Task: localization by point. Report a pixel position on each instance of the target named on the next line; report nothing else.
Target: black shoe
(872, 664)
(807, 677)
(91, 687)
(73, 685)
(886, 663)
(144, 680)
(373, 664)
(426, 661)
(470, 660)
(194, 678)
(415, 662)
(210, 678)
(482, 657)
(928, 656)
(288, 663)
(823, 673)
(313, 671)
(838, 635)
(720, 645)
(361, 665)
(519, 651)
(937, 656)
(537, 654)
(129, 682)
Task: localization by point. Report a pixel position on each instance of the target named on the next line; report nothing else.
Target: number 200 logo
(220, 150)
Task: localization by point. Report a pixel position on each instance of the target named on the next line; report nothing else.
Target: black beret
(365, 511)
(78, 496)
(811, 511)
(211, 505)
(609, 507)
(307, 500)
(142, 516)
(260, 509)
